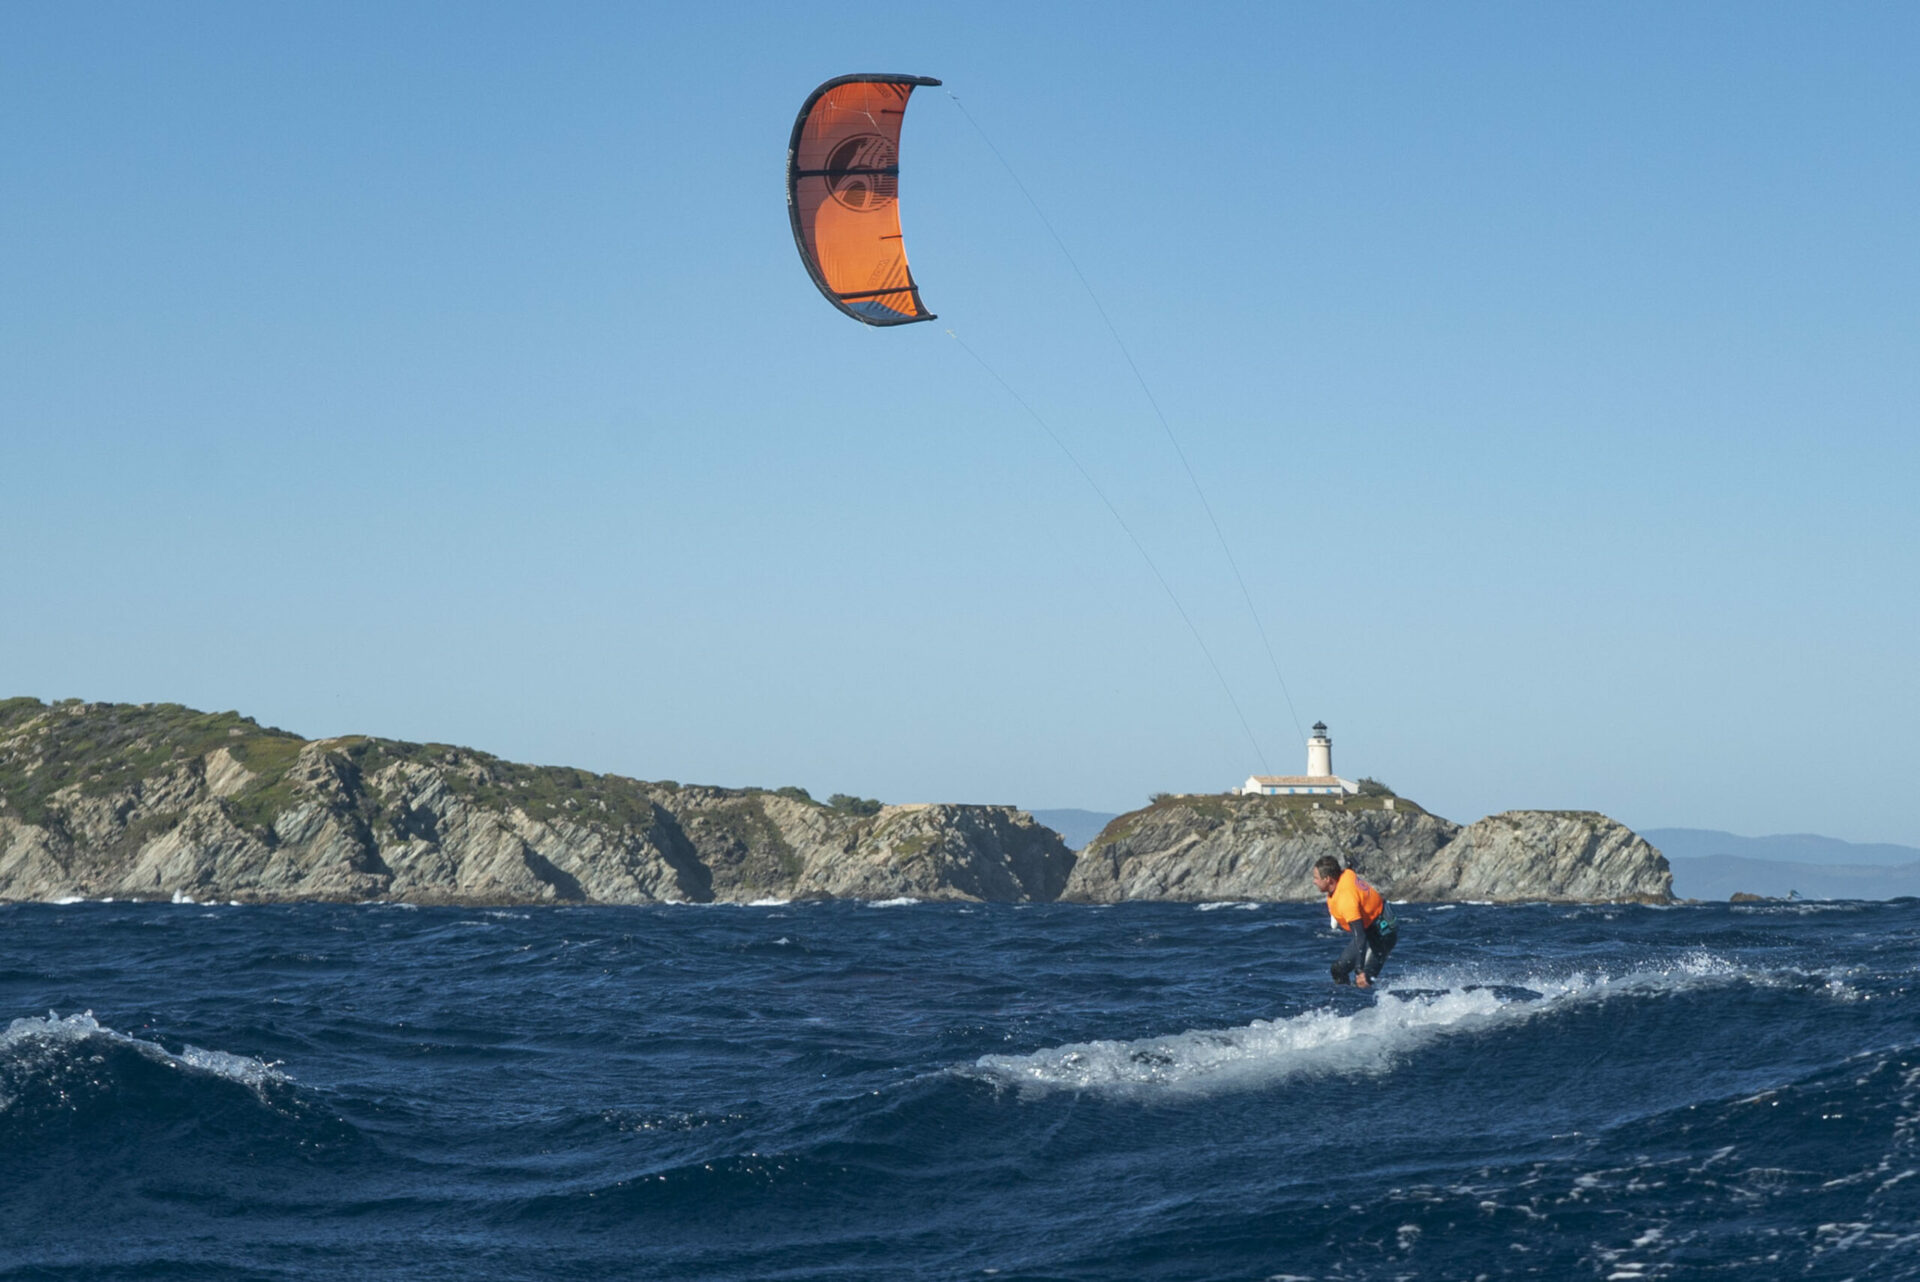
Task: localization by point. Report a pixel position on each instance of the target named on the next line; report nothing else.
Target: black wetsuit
(1367, 949)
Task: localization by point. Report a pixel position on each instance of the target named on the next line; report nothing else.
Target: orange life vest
(1354, 903)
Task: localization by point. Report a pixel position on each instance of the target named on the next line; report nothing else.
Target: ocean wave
(38, 1053)
(1254, 1055)
(1418, 1010)
(1805, 907)
(902, 902)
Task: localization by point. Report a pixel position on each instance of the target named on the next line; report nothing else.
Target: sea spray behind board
(824, 1091)
(1263, 1053)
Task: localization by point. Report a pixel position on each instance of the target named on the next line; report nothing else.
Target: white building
(1318, 781)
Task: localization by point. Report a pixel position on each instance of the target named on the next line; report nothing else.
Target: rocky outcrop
(1575, 855)
(1205, 848)
(1210, 848)
(945, 852)
(158, 801)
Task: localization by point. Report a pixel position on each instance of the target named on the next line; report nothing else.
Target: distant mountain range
(1801, 848)
(1716, 877)
(1708, 864)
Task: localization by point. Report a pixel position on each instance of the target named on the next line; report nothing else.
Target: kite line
(842, 202)
(1139, 547)
(1152, 401)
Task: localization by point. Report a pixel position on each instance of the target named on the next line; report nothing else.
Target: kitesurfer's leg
(1352, 959)
(1378, 944)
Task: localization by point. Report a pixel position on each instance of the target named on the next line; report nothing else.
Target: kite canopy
(843, 184)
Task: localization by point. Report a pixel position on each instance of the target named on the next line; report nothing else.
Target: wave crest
(63, 1059)
(1322, 1042)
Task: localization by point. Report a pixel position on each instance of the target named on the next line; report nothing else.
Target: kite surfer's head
(1326, 874)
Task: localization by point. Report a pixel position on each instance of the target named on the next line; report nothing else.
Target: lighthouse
(1318, 781)
(1319, 753)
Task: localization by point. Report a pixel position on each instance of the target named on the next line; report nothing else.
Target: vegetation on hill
(104, 748)
(854, 805)
(1217, 808)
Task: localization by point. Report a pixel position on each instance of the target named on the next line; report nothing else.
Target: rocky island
(157, 801)
(1211, 848)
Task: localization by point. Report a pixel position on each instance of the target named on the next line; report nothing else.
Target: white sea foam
(1427, 1009)
(1228, 903)
(26, 1038)
(902, 902)
(1804, 907)
(1258, 1054)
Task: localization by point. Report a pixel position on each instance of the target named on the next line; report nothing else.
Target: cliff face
(1217, 848)
(1206, 848)
(101, 800)
(1544, 854)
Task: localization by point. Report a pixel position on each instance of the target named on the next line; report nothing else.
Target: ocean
(935, 1091)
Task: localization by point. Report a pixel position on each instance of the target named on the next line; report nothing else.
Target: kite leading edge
(843, 184)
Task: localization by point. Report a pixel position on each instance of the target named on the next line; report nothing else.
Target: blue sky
(447, 372)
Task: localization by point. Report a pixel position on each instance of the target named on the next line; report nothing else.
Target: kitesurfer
(1364, 914)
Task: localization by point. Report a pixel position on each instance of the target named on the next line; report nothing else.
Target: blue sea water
(918, 1091)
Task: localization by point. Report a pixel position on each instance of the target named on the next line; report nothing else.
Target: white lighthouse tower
(1319, 779)
(1319, 753)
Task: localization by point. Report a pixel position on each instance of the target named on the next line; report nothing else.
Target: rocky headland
(1212, 848)
(156, 801)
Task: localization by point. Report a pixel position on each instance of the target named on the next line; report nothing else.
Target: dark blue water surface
(854, 1091)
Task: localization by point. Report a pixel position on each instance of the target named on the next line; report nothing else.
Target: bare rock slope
(1210, 848)
(154, 801)
(1576, 855)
